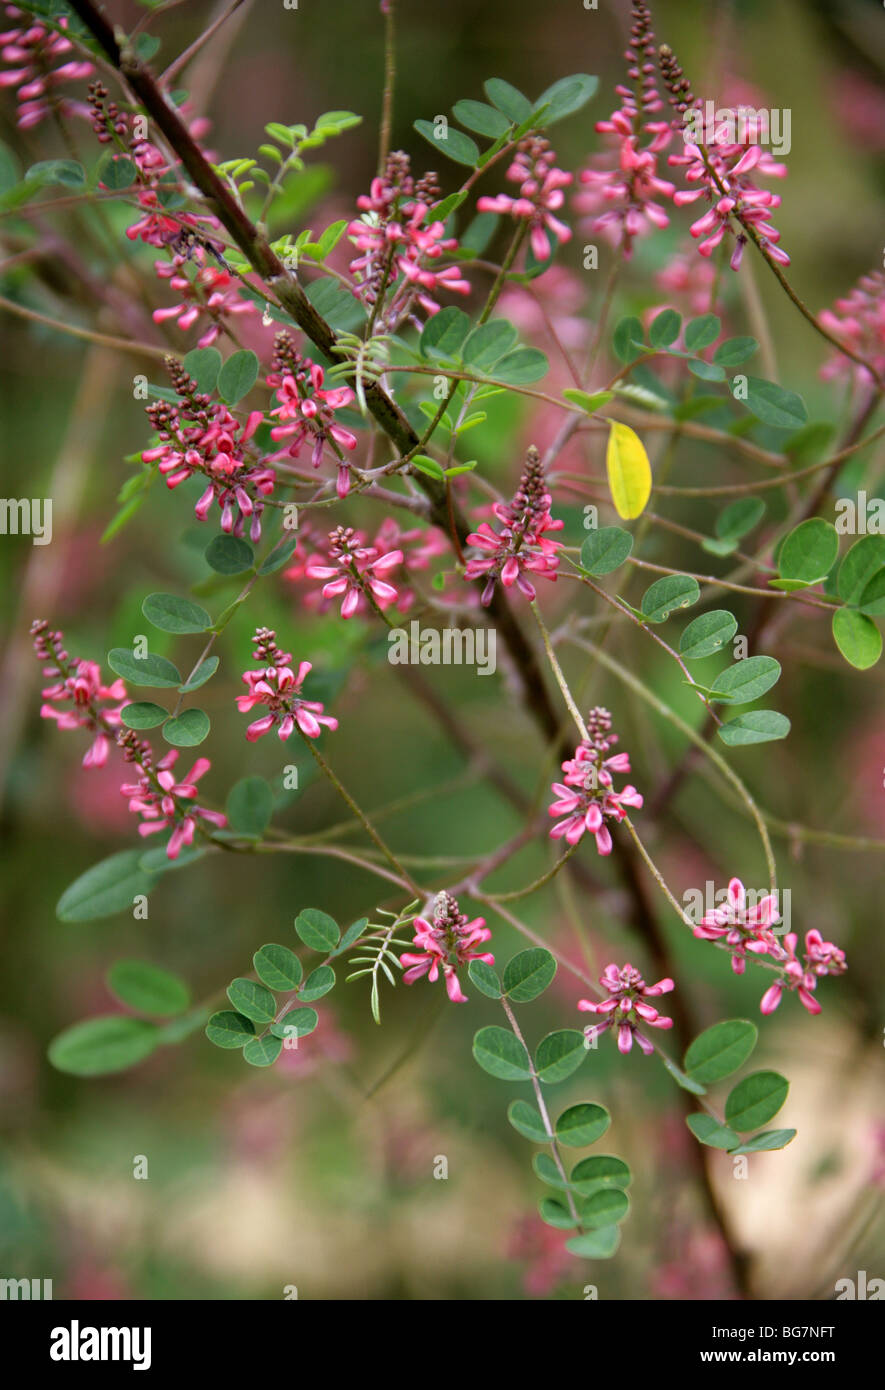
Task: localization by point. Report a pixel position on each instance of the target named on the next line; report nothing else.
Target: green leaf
(148, 989)
(444, 333)
(280, 554)
(188, 729)
(755, 1100)
(707, 1130)
(773, 405)
(865, 558)
(108, 887)
(565, 97)
(559, 1054)
(508, 99)
(628, 339)
(117, 172)
(857, 637)
(317, 930)
(809, 551)
(553, 1213)
(526, 1120)
(629, 471)
(318, 983)
(581, 1125)
(528, 974)
(756, 726)
(705, 371)
(229, 555)
(747, 679)
(720, 1050)
(604, 550)
(606, 1207)
(353, 933)
(733, 351)
(701, 332)
(143, 670)
(665, 328)
(548, 1172)
(262, 1052)
(238, 375)
(600, 1171)
(673, 591)
(252, 999)
(249, 807)
(453, 143)
(173, 614)
(587, 401)
(707, 634)
(229, 1030)
(204, 672)
(203, 364)
(67, 173)
(143, 715)
(297, 1023)
(487, 344)
(681, 1079)
(427, 465)
(739, 517)
(763, 1143)
(872, 600)
(335, 304)
(483, 119)
(277, 967)
(100, 1046)
(485, 979)
(521, 367)
(596, 1245)
(501, 1054)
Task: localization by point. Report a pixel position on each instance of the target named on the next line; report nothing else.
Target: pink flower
(32, 49)
(821, 958)
(307, 411)
(586, 798)
(446, 943)
(741, 928)
(199, 436)
(400, 247)
(77, 698)
(625, 1008)
(520, 547)
(354, 571)
(278, 687)
(540, 195)
(214, 292)
(858, 322)
(162, 802)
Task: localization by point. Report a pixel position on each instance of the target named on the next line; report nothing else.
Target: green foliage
(665, 595)
(755, 1100)
(317, 930)
(501, 1054)
(528, 974)
(188, 729)
(249, 807)
(559, 1054)
(173, 614)
(102, 1046)
(108, 887)
(582, 1125)
(237, 377)
(756, 726)
(720, 1050)
(147, 989)
(747, 679)
(277, 967)
(143, 670)
(707, 634)
(605, 549)
(229, 555)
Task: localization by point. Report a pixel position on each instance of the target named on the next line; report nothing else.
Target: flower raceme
(821, 958)
(213, 292)
(446, 943)
(163, 803)
(742, 928)
(540, 195)
(77, 697)
(520, 548)
(32, 50)
(625, 1008)
(858, 322)
(277, 686)
(306, 410)
(353, 572)
(586, 797)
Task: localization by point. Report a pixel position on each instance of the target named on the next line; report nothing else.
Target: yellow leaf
(629, 471)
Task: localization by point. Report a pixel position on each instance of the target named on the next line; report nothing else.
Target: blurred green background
(259, 1180)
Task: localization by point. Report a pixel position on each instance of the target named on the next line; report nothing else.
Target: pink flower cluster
(277, 686)
(623, 202)
(306, 411)
(319, 555)
(586, 798)
(77, 698)
(164, 803)
(520, 548)
(742, 927)
(33, 49)
(540, 195)
(446, 943)
(352, 571)
(214, 292)
(858, 321)
(203, 437)
(625, 1008)
(400, 247)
